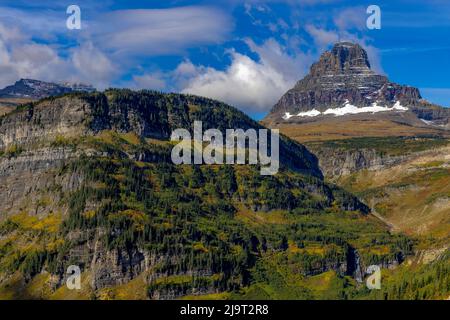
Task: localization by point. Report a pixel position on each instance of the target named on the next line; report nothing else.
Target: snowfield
(348, 109)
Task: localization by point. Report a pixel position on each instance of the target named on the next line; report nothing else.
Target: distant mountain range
(342, 83)
(36, 89)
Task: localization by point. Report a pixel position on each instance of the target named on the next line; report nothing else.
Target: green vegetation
(420, 282)
(12, 151)
(199, 221)
(391, 146)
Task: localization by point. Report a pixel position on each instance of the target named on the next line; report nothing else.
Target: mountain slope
(87, 180)
(413, 193)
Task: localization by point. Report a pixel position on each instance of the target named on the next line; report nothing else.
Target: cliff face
(433, 115)
(39, 138)
(342, 158)
(30, 158)
(27, 179)
(44, 120)
(344, 162)
(408, 190)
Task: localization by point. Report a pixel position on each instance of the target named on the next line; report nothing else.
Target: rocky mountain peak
(342, 83)
(344, 58)
(37, 89)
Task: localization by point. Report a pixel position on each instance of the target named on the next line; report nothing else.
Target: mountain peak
(37, 89)
(342, 83)
(343, 58)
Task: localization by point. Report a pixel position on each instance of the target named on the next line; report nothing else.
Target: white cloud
(121, 39)
(322, 38)
(159, 31)
(246, 83)
(148, 81)
(292, 66)
(254, 86)
(21, 57)
(351, 18)
(185, 73)
(93, 66)
(42, 24)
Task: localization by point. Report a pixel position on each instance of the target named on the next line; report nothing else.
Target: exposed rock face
(29, 132)
(343, 77)
(336, 163)
(34, 180)
(25, 176)
(339, 162)
(433, 115)
(116, 267)
(107, 267)
(35, 89)
(46, 120)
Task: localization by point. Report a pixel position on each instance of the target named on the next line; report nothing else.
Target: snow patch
(348, 109)
(427, 122)
(287, 116)
(398, 106)
(312, 113)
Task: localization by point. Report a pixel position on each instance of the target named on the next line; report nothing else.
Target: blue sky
(247, 53)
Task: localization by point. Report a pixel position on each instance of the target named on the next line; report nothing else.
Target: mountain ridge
(37, 89)
(150, 115)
